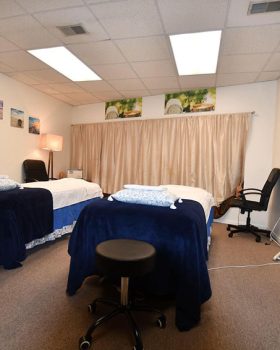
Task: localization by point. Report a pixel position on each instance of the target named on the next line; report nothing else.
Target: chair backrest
(35, 170)
(268, 187)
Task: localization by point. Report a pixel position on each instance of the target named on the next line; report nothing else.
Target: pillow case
(148, 197)
(145, 188)
(8, 184)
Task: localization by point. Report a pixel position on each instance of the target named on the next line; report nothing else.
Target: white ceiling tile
(46, 76)
(46, 89)
(5, 68)
(108, 95)
(66, 99)
(82, 97)
(6, 45)
(197, 81)
(127, 19)
(181, 16)
(127, 84)
(26, 32)
(10, 8)
(66, 87)
(72, 16)
(242, 63)
(264, 76)
(94, 86)
(20, 76)
(236, 78)
(114, 71)
(161, 83)
(43, 5)
(144, 49)
(134, 93)
(250, 40)
(21, 60)
(238, 15)
(273, 63)
(155, 69)
(97, 52)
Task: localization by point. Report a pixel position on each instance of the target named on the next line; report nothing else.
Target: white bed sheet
(194, 193)
(68, 191)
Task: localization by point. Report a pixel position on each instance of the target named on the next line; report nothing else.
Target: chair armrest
(250, 189)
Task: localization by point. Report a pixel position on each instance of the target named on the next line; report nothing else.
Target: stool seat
(125, 257)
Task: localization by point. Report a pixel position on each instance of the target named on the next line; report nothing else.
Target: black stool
(124, 258)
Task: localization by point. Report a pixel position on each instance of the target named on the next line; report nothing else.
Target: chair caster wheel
(258, 239)
(230, 234)
(91, 308)
(228, 228)
(137, 347)
(161, 322)
(84, 343)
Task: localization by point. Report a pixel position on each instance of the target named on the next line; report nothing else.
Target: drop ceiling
(127, 45)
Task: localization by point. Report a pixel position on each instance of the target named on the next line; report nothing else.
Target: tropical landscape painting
(128, 108)
(1, 109)
(17, 118)
(34, 125)
(199, 100)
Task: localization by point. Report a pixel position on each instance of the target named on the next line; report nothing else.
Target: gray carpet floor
(242, 314)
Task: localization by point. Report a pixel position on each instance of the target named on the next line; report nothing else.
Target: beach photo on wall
(199, 100)
(1, 109)
(17, 118)
(128, 108)
(34, 125)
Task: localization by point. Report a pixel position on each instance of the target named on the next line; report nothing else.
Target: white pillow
(146, 188)
(148, 197)
(8, 184)
(4, 176)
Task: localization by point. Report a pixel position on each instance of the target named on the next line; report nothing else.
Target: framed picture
(199, 100)
(34, 125)
(1, 109)
(129, 108)
(17, 118)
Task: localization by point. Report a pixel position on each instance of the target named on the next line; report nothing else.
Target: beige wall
(275, 200)
(18, 144)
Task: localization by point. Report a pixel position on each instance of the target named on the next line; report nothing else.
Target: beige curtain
(204, 151)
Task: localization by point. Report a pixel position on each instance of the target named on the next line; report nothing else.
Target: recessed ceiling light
(196, 53)
(62, 60)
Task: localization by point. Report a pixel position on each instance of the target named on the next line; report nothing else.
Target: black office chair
(123, 258)
(248, 206)
(35, 170)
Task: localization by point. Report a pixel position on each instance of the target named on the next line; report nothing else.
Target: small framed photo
(17, 118)
(34, 125)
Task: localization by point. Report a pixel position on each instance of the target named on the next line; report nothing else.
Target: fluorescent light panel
(196, 53)
(62, 60)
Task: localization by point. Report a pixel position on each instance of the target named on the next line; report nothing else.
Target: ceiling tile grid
(127, 45)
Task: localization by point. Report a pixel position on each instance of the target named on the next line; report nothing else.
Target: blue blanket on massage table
(25, 214)
(180, 239)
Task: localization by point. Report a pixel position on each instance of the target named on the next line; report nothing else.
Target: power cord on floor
(242, 266)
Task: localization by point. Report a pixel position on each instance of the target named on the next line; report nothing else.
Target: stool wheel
(84, 343)
(91, 308)
(161, 321)
(230, 234)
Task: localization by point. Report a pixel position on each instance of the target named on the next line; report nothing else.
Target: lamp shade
(51, 142)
